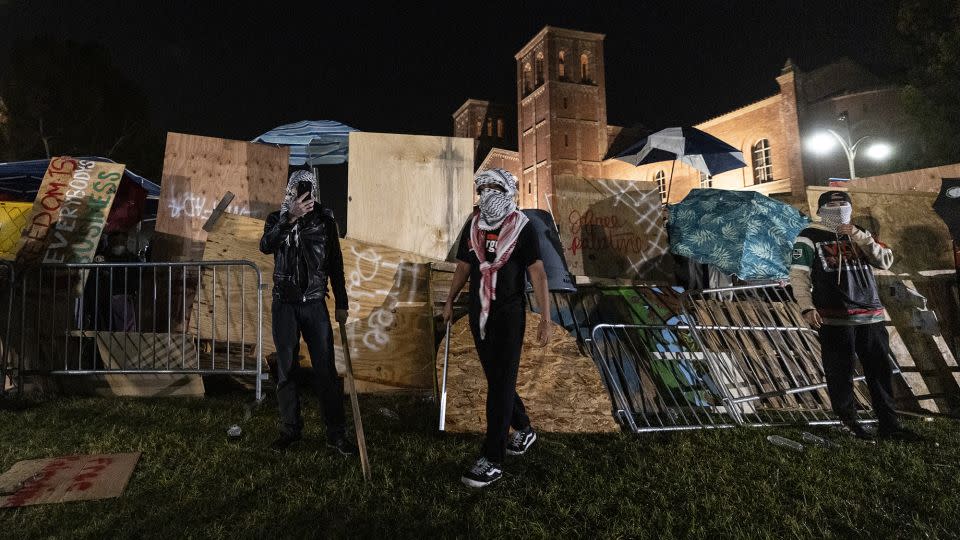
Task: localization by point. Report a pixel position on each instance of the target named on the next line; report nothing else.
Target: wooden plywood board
(197, 172)
(904, 221)
(409, 192)
(391, 317)
(66, 479)
(612, 228)
(560, 388)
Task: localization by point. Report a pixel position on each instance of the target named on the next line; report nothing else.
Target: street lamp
(823, 142)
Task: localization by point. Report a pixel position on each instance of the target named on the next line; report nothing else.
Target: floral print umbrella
(740, 232)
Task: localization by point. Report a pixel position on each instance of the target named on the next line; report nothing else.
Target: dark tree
(931, 28)
(64, 97)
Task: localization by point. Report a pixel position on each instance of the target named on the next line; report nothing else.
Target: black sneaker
(855, 430)
(343, 446)
(284, 441)
(521, 441)
(483, 473)
(898, 433)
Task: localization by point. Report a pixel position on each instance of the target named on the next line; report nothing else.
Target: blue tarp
(24, 177)
(312, 142)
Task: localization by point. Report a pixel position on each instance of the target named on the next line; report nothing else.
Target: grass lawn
(193, 481)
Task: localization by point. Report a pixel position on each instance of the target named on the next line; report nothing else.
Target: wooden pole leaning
(443, 390)
(357, 422)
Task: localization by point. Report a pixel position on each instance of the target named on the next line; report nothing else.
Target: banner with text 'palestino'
(70, 211)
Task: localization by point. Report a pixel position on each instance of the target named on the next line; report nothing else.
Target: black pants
(871, 344)
(500, 357)
(313, 321)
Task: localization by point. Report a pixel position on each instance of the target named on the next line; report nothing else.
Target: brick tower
(561, 109)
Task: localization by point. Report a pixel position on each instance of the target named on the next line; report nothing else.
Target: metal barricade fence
(735, 356)
(202, 318)
(9, 377)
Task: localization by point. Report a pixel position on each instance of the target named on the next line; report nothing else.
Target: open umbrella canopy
(688, 145)
(740, 232)
(947, 205)
(312, 142)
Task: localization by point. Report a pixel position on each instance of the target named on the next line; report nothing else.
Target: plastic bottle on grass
(785, 443)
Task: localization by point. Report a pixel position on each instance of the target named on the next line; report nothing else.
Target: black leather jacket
(319, 246)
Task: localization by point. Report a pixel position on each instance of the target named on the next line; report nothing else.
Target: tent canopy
(24, 177)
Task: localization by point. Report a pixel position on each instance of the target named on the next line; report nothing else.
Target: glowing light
(879, 151)
(821, 143)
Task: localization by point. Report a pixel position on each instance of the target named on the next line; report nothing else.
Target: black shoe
(284, 441)
(521, 441)
(343, 446)
(898, 433)
(855, 430)
(483, 473)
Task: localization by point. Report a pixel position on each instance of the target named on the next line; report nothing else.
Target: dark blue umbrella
(312, 142)
(689, 145)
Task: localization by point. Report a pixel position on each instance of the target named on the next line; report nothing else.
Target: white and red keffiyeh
(507, 241)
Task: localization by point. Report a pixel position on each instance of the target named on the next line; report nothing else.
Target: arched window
(527, 78)
(584, 67)
(500, 127)
(661, 179)
(706, 181)
(489, 127)
(561, 68)
(538, 67)
(479, 128)
(762, 164)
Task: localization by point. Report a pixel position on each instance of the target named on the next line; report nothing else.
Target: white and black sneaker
(521, 441)
(483, 473)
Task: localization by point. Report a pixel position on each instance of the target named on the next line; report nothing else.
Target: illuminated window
(538, 63)
(479, 128)
(584, 67)
(706, 181)
(500, 127)
(527, 77)
(762, 164)
(489, 127)
(561, 68)
(661, 179)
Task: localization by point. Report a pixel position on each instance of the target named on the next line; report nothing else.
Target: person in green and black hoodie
(832, 278)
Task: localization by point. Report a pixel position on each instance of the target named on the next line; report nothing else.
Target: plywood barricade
(391, 315)
(412, 193)
(561, 389)
(197, 172)
(612, 228)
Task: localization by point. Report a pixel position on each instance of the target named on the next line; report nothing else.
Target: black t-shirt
(511, 278)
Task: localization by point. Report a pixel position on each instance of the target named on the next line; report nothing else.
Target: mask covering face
(834, 216)
(494, 207)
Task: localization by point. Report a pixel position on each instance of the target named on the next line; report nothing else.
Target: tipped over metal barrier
(739, 356)
(190, 318)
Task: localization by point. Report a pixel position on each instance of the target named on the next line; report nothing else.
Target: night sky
(237, 71)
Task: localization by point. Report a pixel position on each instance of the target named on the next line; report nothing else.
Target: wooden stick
(357, 423)
(443, 390)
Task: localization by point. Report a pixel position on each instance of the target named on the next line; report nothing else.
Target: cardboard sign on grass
(65, 479)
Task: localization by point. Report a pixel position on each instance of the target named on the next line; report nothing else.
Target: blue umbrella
(740, 232)
(689, 145)
(312, 142)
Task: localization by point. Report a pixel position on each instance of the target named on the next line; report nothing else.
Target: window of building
(762, 164)
(706, 181)
(561, 68)
(527, 78)
(584, 67)
(489, 127)
(529, 187)
(479, 128)
(538, 67)
(500, 127)
(564, 103)
(661, 179)
(566, 141)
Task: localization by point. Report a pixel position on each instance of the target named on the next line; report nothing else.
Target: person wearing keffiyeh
(496, 251)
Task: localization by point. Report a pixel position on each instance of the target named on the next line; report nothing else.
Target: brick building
(562, 125)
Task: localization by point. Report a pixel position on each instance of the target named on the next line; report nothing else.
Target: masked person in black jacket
(303, 239)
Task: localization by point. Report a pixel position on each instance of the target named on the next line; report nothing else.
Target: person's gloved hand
(341, 315)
